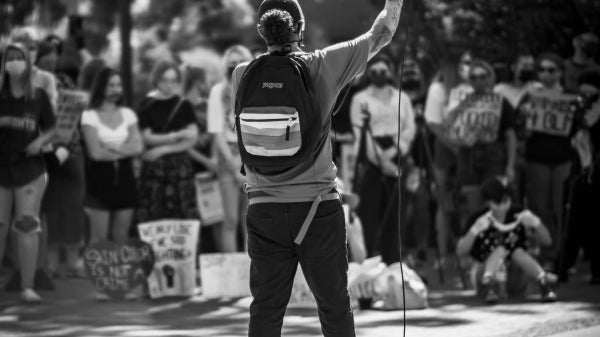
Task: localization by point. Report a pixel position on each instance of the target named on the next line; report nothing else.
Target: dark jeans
(272, 228)
(583, 230)
(545, 197)
(378, 211)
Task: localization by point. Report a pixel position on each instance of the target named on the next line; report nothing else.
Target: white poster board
(208, 199)
(174, 244)
(70, 106)
(225, 274)
(549, 112)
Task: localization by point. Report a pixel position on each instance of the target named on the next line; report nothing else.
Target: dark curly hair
(277, 26)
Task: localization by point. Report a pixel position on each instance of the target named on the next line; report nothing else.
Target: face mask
(526, 75)
(378, 78)
(411, 84)
(15, 68)
(113, 97)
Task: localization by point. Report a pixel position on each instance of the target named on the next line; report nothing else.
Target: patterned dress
(166, 185)
(510, 235)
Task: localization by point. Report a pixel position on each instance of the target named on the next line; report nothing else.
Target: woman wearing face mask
(524, 79)
(169, 130)
(63, 204)
(220, 124)
(420, 174)
(112, 140)
(377, 186)
(548, 156)
(41, 78)
(26, 126)
(483, 125)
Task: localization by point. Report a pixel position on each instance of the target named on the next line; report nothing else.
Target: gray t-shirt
(331, 68)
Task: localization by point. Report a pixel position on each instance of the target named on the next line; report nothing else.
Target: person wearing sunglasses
(548, 155)
(484, 127)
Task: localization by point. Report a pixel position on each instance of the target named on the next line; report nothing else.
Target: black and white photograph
(300, 168)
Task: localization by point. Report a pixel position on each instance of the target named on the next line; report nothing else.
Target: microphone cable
(399, 163)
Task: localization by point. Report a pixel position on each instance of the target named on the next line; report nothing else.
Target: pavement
(71, 310)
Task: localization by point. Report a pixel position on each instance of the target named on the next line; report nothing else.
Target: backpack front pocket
(270, 131)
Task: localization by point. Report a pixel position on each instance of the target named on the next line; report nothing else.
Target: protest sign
(70, 106)
(549, 112)
(225, 274)
(117, 269)
(475, 120)
(208, 199)
(174, 244)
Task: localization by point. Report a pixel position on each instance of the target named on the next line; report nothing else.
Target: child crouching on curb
(498, 235)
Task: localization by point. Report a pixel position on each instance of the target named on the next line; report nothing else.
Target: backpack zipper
(287, 128)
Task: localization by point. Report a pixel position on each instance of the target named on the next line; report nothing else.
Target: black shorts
(19, 171)
(111, 185)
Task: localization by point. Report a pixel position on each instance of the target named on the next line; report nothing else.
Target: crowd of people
(534, 156)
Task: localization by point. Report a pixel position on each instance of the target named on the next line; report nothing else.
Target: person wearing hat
(295, 226)
(585, 50)
(499, 234)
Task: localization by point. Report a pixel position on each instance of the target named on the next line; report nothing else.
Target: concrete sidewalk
(72, 311)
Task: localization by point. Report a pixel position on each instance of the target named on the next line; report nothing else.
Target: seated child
(498, 235)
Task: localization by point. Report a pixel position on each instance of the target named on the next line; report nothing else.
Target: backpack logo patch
(272, 85)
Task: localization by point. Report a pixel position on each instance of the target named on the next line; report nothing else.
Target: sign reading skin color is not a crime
(117, 269)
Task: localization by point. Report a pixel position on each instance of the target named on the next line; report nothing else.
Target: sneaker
(42, 281)
(547, 285)
(489, 293)
(30, 296)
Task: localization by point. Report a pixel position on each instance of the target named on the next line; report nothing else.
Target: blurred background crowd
(157, 77)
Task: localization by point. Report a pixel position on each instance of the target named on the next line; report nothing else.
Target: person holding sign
(26, 127)
(112, 140)
(484, 127)
(62, 206)
(548, 151)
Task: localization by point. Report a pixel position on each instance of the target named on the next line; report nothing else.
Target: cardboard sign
(475, 120)
(225, 274)
(208, 199)
(116, 269)
(174, 243)
(301, 296)
(70, 106)
(549, 112)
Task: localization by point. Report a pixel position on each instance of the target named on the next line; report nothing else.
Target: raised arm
(384, 26)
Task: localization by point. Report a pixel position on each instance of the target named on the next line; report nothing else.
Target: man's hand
(384, 27)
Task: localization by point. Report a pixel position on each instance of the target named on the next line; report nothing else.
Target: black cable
(399, 163)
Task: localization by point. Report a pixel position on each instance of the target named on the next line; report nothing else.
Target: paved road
(71, 311)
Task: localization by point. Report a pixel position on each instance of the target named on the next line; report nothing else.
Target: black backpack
(277, 118)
